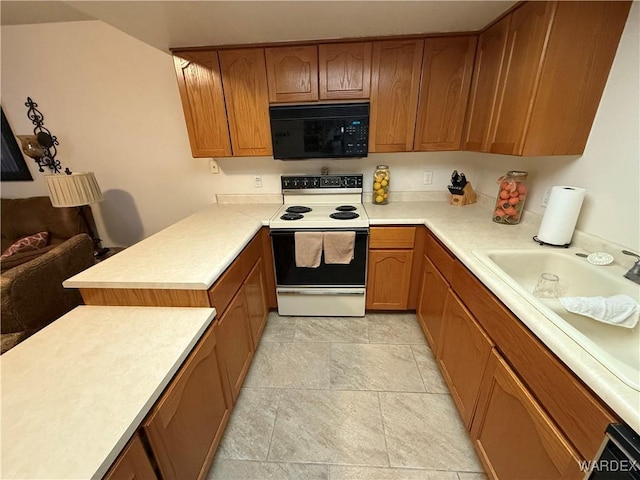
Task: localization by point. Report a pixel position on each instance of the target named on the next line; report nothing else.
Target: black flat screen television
(13, 166)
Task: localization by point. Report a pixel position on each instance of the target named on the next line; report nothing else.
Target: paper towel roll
(562, 212)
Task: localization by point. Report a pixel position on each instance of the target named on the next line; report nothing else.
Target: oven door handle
(321, 291)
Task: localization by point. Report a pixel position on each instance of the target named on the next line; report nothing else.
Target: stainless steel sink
(616, 348)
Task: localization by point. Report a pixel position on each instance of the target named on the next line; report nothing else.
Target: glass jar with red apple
(512, 193)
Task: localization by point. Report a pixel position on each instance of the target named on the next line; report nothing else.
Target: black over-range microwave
(319, 131)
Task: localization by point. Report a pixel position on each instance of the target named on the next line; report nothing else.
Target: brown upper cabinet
(345, 70)
(489, 58)
(395, 80)
(531, 86)
(447, 66)
(292, 73)
(200, 88)
(244, 76)
(536, 90)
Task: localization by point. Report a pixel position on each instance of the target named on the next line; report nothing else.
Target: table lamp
(77, 190)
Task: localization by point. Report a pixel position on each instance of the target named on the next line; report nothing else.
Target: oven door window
(287, 274)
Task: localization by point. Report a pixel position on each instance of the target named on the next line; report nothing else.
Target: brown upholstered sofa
(31, 291)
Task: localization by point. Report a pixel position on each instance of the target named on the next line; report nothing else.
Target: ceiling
(166, 24)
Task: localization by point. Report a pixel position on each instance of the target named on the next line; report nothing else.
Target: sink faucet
(634, 272)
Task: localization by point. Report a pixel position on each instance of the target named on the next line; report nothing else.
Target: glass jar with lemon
(381, 177)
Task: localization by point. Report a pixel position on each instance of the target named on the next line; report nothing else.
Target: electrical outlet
(257, 181)
(213, 166)
(428, 178)
(545, 199)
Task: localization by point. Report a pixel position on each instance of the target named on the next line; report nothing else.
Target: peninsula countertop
(76, 391)
(190, 254)
(194, 252)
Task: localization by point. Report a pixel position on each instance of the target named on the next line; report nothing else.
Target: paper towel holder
(541, 243)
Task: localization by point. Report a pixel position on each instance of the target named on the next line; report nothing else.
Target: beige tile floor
(345, 398)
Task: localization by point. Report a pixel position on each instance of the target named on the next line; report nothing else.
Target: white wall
(113, 103)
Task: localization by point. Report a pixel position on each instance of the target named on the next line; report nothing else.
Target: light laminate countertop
(76, 391)
(190, 254)
(194, 252)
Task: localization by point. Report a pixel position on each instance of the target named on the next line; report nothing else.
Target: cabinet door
(236, 346)
(255, 291)
(431, 302)
(484, 86)
(512, 433)
(447, 67)
(185, 426)
(245, 92)
(292, 73)
(520, 75)
(581, 49)
(345, 70)
(462, 355)
(388, 279)
(395, 80)
(132, 463)
(200, 89)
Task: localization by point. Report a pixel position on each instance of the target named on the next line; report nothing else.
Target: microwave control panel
(356, 137)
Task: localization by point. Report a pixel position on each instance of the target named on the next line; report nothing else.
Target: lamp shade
(73, 190)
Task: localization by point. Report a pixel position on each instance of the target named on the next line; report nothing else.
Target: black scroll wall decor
(41, 146)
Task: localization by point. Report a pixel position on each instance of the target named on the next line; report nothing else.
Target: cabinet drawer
(440, 256)
(392, 237)
(579, 413)
(228, 284)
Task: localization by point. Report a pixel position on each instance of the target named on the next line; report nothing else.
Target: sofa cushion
(32, 295)
(10, 340)
(25, 216)
(26, 244)
(23, 257)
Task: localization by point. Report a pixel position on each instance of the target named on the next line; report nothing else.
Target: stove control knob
(305, 182)
(285, 183)
(295, 183)
(315, 183)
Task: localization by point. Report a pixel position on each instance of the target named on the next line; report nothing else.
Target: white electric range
(321, 203)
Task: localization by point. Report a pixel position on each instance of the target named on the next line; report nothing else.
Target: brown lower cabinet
(388, 279)
(132, 464)
(256, 295)
(528, 415)
(463, 352)
(513, 435)
(390, 267)
(186, 424)
(236, 344)
(430, 308)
